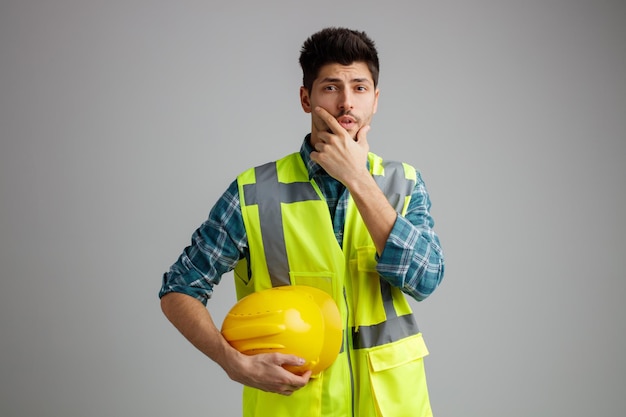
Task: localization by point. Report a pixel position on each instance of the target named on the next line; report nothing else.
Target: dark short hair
(336, 46)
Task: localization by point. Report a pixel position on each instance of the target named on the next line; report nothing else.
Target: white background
(122, 122)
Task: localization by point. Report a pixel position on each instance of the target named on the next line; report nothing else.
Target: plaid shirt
(411, 260)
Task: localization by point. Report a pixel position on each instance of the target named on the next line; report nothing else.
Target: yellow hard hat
(332, 327)
(299, 320)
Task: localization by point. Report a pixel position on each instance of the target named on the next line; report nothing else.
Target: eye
(330, 88)
(361, 88)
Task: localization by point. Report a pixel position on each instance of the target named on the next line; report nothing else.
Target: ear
(305, 100)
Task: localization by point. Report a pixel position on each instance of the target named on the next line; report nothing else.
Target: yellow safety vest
(379, 371)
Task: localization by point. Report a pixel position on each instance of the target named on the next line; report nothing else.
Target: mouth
(347, 122)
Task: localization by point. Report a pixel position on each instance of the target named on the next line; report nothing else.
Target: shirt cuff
(395, 260)
(173, 285)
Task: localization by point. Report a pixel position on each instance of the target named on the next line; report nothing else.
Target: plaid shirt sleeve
(412, 258)
(216, 248)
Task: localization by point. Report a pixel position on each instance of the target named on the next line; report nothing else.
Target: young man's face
(345, 91)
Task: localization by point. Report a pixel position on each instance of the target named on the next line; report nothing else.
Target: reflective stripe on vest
(394, 184)
(268, 193)
(394, 328)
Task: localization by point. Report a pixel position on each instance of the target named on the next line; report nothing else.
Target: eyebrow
(338, 80)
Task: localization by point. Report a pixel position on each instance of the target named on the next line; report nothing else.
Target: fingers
(272, 376)
(330, 120)
(294, 385)
(294, 381)
(336, 128)
(292, 360)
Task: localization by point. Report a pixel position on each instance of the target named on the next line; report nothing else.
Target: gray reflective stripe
(391, 330)
(268, 193)
(396, 187)
(394, 184)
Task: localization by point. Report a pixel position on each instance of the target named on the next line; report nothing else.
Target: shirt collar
(305, 152)
(313, 167)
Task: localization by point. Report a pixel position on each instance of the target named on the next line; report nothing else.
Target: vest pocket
(366, 259)
(398, 380)
(322, 280)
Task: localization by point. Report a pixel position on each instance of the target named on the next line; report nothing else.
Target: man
(333, 216)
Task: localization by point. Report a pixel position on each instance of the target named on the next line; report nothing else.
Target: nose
(346, 100)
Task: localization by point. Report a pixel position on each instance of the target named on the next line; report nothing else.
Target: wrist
(359, 182)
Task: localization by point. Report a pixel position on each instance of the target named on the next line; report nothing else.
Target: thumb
(292, 360)
(361, 135)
